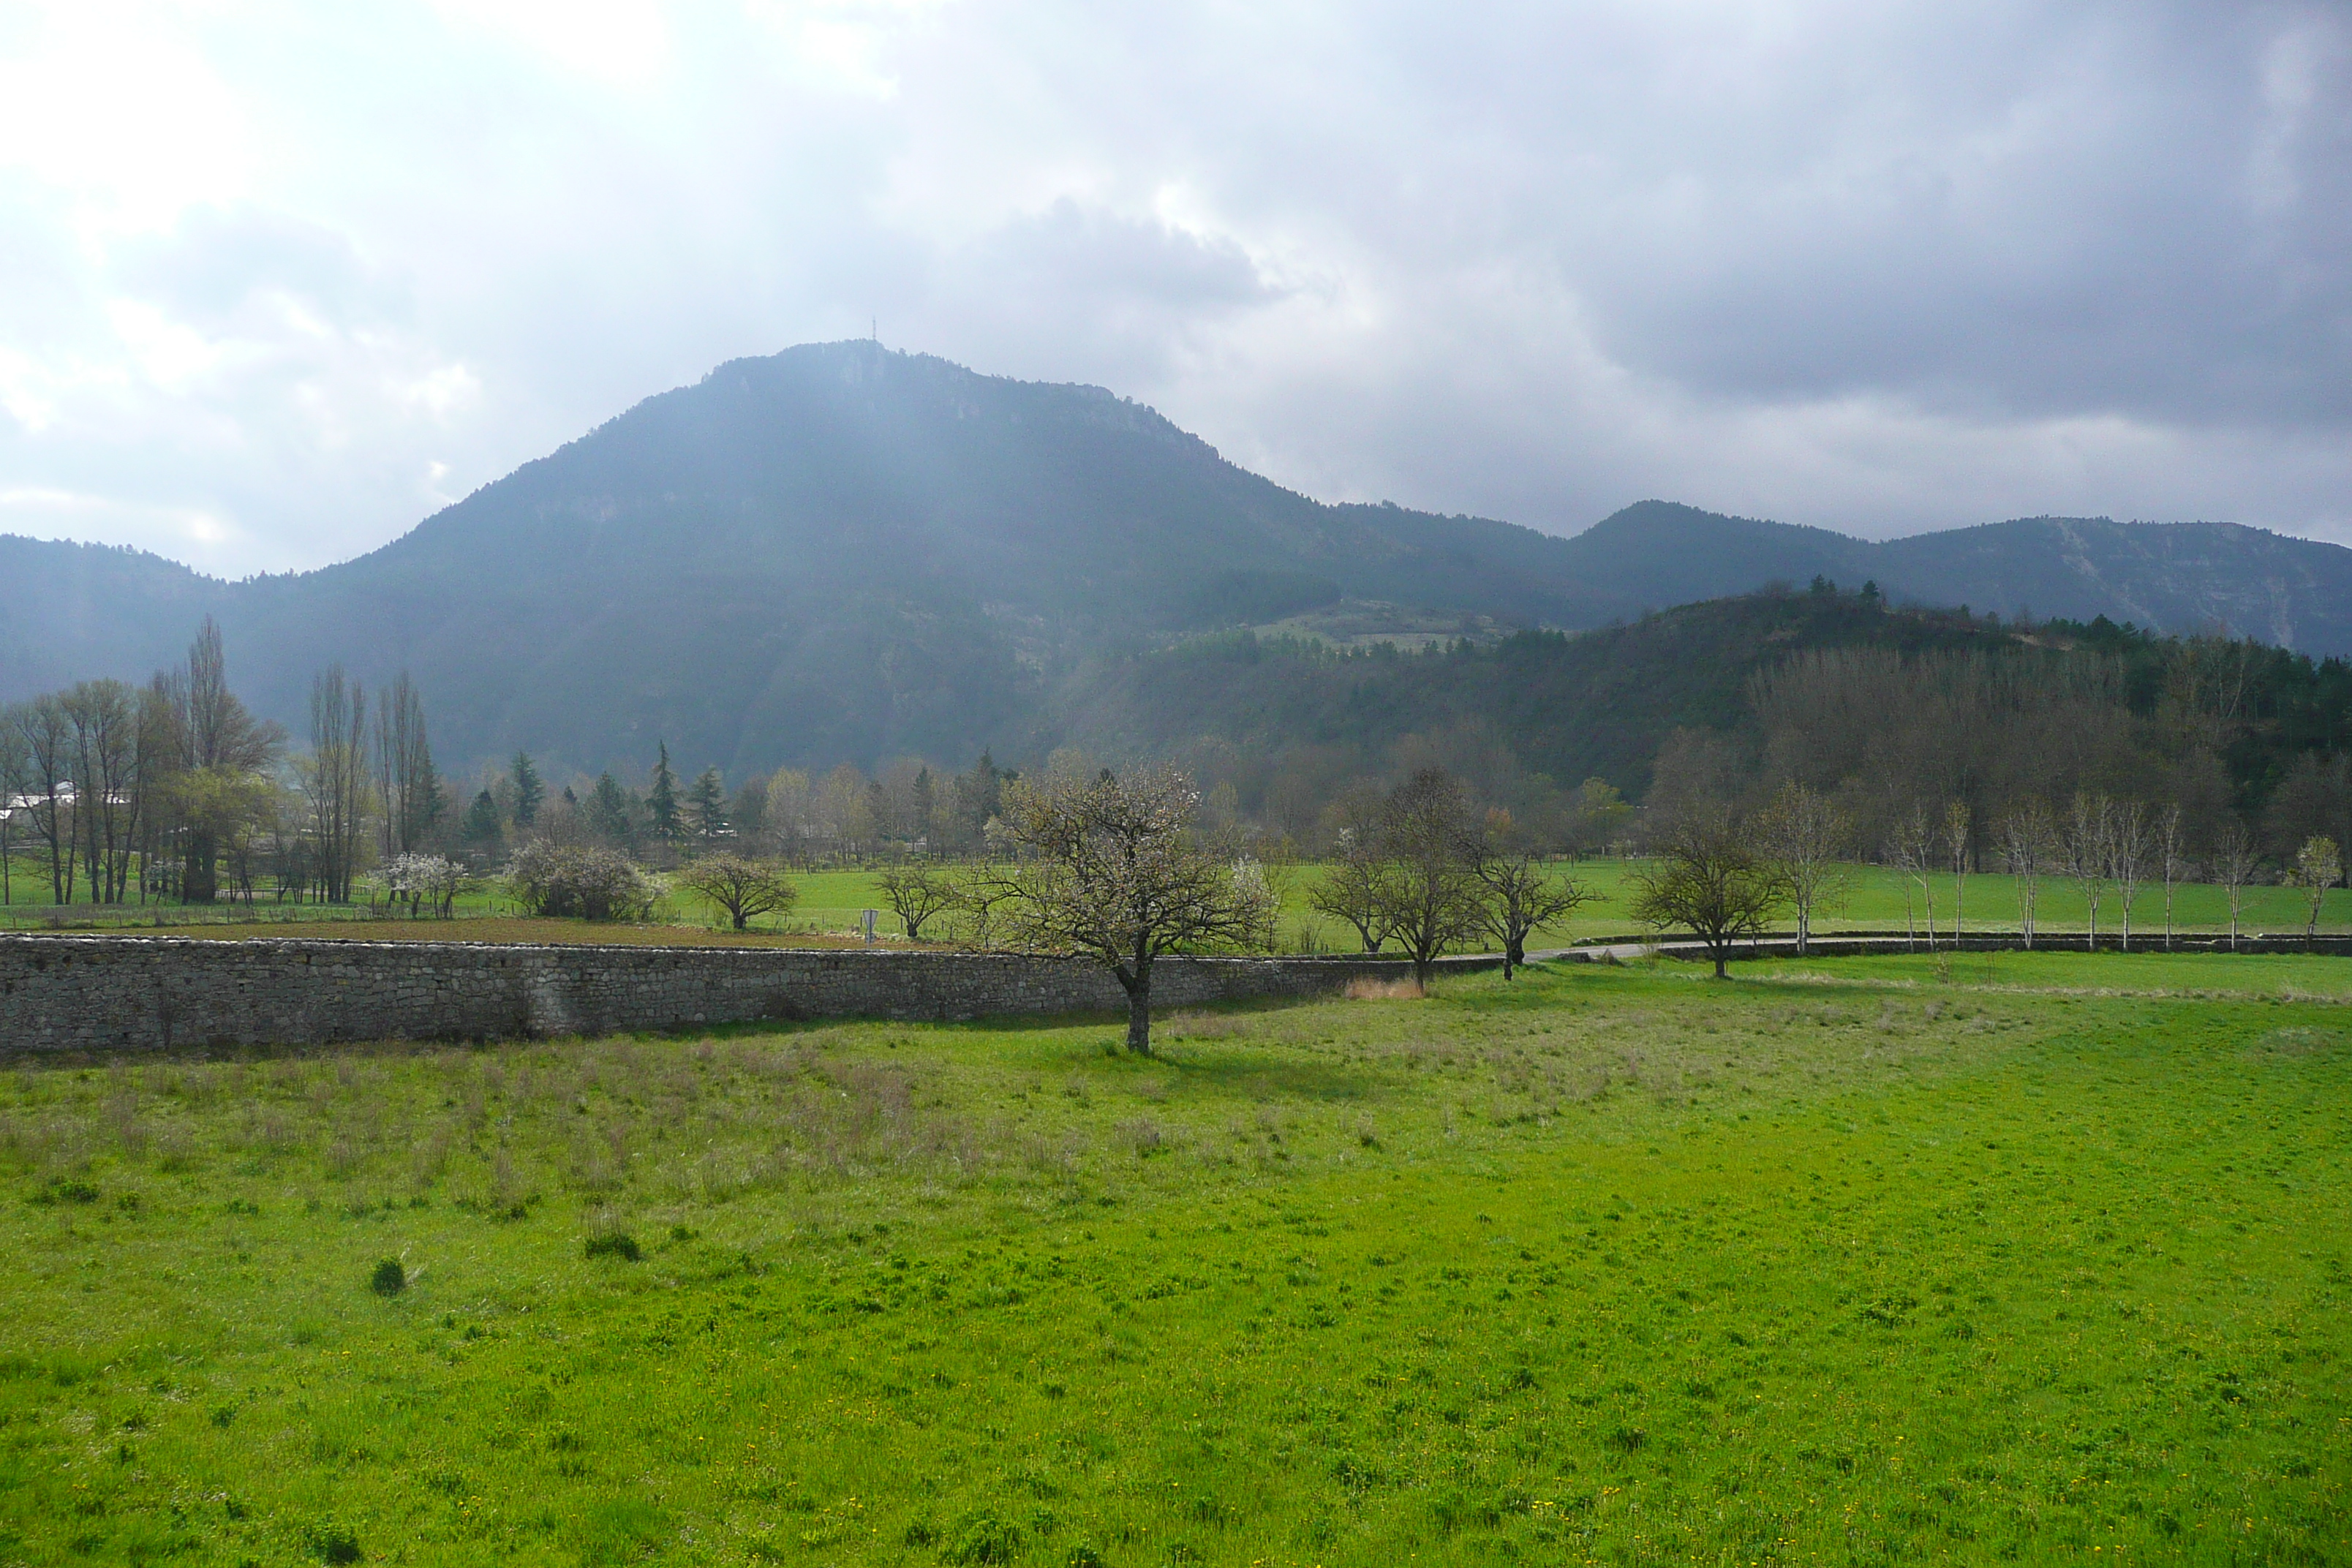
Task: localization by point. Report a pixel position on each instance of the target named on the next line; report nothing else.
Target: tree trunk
(1139, 1007)
(200, 878)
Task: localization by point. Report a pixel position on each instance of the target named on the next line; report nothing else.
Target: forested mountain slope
(845, 553)
(1570, 706)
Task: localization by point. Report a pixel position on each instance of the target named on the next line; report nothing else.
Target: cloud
(1878, 266)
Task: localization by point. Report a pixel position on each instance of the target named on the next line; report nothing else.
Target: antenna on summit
(874, 329)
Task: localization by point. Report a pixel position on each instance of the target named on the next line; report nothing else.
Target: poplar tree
(335, 778)
(404, 776)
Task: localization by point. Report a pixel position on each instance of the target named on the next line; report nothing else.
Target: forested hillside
(1884, 706)
(841, 553)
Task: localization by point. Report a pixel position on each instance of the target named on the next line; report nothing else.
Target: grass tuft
(617, 1244)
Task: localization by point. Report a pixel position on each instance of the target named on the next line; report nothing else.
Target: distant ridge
(842, 551)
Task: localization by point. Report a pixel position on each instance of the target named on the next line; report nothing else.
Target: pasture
(1853, 1261)
(833, 900)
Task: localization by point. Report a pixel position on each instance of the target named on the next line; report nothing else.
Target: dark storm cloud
(269, 299)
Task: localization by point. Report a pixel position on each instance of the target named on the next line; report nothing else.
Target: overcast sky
(278, 281)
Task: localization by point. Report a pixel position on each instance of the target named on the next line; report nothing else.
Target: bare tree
(786, 820)
(744, 889)
(1956, 844)
(844, 811)
(1803, 836)
(14, 769)
(2026, 836)
(406, 786)
(2235, 857)
(335, 779)
(2318, 866)
(1711, 879)
(2130, 843)
(1352, 888)
(106, 754)
(2171, 842)
(2083, 854)
(1522, 896)
(215, 751)
(45, 732)
(981, 896)
(1429, 850)
(1915, 851)
(1112, 871)
(915, 890)
(901, 797)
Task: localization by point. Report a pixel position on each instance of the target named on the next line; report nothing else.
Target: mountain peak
(850, 550)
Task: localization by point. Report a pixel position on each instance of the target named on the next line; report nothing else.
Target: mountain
(842, 551)
(2179, 578)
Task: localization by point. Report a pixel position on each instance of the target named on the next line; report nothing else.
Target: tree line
(174, 791)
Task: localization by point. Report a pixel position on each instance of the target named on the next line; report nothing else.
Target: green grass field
(832, 902)
(1841, 1262)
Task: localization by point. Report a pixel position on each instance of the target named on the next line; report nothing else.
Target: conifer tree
(705, 807)
(661, 800)
(608, 812)
(528, 790)
(480, 830)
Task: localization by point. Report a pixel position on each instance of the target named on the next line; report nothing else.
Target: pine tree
(608, 812)
(481, 827)
(705, 807)
(528, 790)
(661, 800)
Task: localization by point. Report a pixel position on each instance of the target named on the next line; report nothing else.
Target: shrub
(67, 1192)
(617, 1244)
(565, 879)
(334, 1543)
(982, 1537)
(390, 1279)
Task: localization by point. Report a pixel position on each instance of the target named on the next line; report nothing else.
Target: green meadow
(833, 901)
(1846, 1262)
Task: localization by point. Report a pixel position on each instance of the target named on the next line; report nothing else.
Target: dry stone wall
(116, 994)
